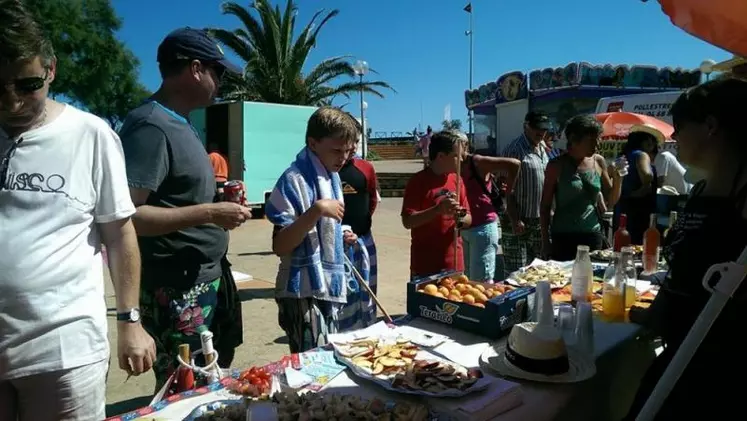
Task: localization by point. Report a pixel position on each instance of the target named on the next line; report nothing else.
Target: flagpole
(470, 33)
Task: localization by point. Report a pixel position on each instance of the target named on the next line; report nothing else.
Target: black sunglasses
(29, 85)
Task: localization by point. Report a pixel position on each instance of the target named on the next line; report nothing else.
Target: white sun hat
(538, 353)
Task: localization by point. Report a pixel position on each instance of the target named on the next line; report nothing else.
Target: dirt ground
(264, 341)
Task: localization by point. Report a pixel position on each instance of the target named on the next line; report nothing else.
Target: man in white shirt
(63, 191)
(670, 172)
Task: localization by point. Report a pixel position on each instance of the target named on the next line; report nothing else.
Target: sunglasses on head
(29, 85)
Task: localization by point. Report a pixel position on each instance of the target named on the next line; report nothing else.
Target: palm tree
(274, 60)
(452, 124)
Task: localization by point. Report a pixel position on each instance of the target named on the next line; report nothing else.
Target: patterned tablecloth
(622, 358)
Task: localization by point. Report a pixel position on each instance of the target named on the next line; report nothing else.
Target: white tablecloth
(621, 361)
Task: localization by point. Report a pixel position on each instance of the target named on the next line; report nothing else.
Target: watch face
(134, 315)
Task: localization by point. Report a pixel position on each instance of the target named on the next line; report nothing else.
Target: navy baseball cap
(538, 120)
(193, 44)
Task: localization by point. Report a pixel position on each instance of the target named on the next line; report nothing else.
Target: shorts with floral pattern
(178, 316)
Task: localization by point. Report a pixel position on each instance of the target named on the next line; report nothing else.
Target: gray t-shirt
(164, 155)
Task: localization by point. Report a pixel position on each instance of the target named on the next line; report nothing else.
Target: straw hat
(727, 65)
(538, 353)
(650, 129)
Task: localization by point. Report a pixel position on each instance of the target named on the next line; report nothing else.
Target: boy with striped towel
(306, 207)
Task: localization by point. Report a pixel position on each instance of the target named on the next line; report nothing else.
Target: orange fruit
(462, 288)
(446, 282)
(468, 299)
(456, 298)
(481, 305)
(438, 294)
(456, 292)
(480, 287)
(489, 293)
(480, 297)
(462, 279)
(430, 289)
(444, 291)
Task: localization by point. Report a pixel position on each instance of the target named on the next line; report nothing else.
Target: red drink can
(233, 191)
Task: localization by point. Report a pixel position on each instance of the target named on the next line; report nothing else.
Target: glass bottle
(622, 236)
(614, 290)
(582, 276)
(631, 275)
(651, 242)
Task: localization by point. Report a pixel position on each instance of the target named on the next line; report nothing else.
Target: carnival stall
(499, 107)
(515, 350)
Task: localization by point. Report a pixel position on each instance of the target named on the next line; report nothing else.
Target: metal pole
(470, 114)
(364, 147)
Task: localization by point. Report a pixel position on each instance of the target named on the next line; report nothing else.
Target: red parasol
(617, 125)
(722, 23)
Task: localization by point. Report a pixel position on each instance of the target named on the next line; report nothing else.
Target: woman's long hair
(635, 142)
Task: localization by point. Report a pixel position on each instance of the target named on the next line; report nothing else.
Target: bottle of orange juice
(614, 291)
(651, 242)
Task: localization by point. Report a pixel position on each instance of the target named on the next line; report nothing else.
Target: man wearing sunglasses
(187, 287)
(63, 191)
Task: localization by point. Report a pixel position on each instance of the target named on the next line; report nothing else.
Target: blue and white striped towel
(316, 267)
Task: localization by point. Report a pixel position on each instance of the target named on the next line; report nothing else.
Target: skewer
(458, 192)
(365, 286)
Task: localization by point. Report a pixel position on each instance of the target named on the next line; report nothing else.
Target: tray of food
(401, 366)
(607, 254)
(558, 275)
(317, 407)
(222, 410)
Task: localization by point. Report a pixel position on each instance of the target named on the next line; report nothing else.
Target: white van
(657, 104)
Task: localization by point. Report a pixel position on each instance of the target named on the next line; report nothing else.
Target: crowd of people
(149, 194)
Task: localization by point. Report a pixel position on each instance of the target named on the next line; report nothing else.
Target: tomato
(265, 386)
(253, 370)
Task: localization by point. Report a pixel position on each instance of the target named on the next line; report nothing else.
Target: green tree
(274, 59)
(452, 125)
(94, 69)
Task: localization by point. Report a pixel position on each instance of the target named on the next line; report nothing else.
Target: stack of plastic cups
(584, 329)
(543, 311)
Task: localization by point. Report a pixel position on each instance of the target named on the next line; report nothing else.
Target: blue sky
(419, 46)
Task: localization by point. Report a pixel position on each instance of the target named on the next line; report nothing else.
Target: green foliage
(94, 69)
(274, 58)
(372, 155)
(452, 125)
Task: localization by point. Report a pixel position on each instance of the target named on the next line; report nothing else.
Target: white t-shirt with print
(62, 179)
(669, 167)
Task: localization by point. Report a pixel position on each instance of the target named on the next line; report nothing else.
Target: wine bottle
(651, 242)
(622, 236)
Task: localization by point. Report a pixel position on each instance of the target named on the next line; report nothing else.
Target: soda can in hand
(233, 191)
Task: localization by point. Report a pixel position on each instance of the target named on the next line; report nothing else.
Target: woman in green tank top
(579, 186)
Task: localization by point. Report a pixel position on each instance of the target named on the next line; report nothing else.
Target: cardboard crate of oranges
(451, 298)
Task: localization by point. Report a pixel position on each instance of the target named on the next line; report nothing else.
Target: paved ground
(399, 166)
(250, 253)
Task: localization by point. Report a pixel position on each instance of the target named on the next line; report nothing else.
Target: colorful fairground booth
(499, 107)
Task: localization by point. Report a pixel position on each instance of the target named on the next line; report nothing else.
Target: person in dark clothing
(187, 286)
(709, 129)
(360, 190)
(638, 195)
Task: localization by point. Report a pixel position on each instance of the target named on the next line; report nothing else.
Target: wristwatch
(131, 316)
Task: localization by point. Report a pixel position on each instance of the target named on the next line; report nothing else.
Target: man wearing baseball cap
(521, 236)
(186, 286)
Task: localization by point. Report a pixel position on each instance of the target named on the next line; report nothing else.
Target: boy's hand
(331, 208)
(349, 237)
(448, 206)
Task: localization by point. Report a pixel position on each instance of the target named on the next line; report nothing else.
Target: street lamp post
(706, 67)
(361, 68)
